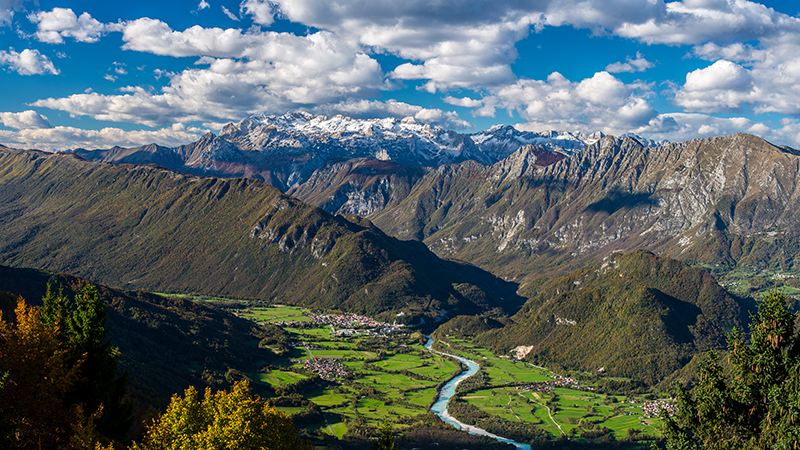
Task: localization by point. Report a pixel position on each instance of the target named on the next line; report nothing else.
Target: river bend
(440, 407)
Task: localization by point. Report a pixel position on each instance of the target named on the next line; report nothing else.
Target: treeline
(518, 431)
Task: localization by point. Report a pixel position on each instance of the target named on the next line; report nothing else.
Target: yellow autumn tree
(234, 420)
(32, 409)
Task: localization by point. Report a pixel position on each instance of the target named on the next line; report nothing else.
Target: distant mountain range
(286, 150)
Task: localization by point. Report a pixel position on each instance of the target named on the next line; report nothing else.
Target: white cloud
(262, 11)
(466, 102)
(723, 86)
(310, 71)
(765, 77)
(600, 103)
(637, 64)
(684, 126)
(230, 15)
(55, 25)
(7, 10)
(24, 120)
(203, 5)
(247, 72)
(370, 109)
(154, 36)
(701, 21)
(67, 138)
(27, 62)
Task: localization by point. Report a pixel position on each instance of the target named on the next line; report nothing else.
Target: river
(440, 407)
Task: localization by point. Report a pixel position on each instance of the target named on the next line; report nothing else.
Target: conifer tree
(385, 439)
(82, 331)
(757, 406)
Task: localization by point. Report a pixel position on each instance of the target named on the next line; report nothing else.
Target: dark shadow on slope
(616, 200)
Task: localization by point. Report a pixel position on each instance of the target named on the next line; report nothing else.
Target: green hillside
(142, 227)
(637, 316)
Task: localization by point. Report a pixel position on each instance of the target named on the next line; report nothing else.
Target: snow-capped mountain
(404, 141)
(285, 150)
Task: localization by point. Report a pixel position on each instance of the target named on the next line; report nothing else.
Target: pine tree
(385, 439)
(758, 405)
(82, 331)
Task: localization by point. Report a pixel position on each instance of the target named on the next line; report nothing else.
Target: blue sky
(97, 74)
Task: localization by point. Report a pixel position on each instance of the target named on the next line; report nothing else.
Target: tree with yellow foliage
(37, 376)
(234, 420)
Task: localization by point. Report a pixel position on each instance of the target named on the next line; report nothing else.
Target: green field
(396, 377)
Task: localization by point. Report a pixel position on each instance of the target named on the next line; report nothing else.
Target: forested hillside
(147, 228)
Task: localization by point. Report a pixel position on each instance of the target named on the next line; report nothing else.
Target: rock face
(728, 201)
(286, 150)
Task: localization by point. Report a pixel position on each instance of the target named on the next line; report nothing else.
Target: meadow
(393, 376)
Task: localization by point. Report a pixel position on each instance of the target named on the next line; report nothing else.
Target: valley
(586, 281)
(389, 374)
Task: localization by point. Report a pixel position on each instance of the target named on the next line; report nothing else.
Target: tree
(221, 421)
(33, 411)
(385, 439)
(82, 332)
(757, 405)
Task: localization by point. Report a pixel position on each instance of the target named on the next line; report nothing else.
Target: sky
(95, 74)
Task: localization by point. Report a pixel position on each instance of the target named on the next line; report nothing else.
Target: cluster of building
(559, 381)
(539, 386)
(304, 344)
(346, 322)
(328, 369)
(653, 409)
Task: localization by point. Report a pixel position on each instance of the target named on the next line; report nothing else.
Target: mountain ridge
(285, 150)
(148, 228)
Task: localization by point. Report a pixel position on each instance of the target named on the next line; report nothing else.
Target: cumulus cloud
(723, 86)
(600, 103)
(369, 109)
(53, 26)
(765, 77)
(456, 45)
(27, 62)
(466, 102)
(24, 120)
(262, 11)
(452, 44)
(307, 70)
(685, 126)
(67, 138)
(701, 21)
(637, 64)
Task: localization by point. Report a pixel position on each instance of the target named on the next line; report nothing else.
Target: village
(327, 369)
(559, 381)
(654, 408)
(343, 324)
